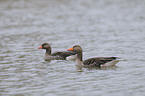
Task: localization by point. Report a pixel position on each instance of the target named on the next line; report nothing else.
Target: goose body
(96, 62)
(62, 55)
(101, 62)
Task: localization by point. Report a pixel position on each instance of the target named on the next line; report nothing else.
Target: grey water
(100, 27)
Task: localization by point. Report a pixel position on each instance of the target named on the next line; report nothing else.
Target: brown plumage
(57, 55)
(97, 62)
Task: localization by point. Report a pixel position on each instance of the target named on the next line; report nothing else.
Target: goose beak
(70, 49)
(40, 47)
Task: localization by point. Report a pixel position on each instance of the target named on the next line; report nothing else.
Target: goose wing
(63, 54)
(98, 61)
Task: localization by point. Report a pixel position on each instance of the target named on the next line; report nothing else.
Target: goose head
(78, 50)
(47, 47)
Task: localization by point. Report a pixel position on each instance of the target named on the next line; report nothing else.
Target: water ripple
(102, 28)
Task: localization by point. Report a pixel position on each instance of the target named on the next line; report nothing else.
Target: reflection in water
(102, 28)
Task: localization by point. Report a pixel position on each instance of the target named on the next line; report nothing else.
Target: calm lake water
(101, 27)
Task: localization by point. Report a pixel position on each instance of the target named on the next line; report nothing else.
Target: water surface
(101, 27)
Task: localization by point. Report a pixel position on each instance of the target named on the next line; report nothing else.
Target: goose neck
(48, 51)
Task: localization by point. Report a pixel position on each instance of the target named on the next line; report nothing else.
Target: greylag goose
(63, 55)
(97, 62)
